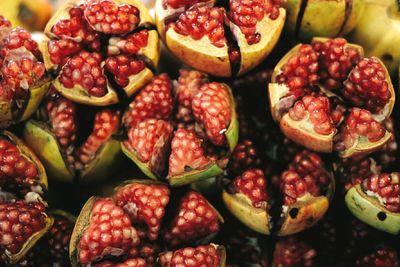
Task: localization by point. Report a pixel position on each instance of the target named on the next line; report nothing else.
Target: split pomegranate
(23, 78)
(76, 150)
(101, 50)
(314, 85)
(293, 252)
(205, 120)
(220, 40)
(301, 192)
(121, 231)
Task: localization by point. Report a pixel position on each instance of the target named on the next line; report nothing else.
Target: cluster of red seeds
(199, 256)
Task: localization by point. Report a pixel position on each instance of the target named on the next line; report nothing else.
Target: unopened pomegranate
(102, 51)
(301, 193)
(72, 144)
(181, 144)
(224, 40)
(327, 97)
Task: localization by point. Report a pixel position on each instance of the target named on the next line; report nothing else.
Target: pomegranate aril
(145, 204)
(153, 101)
(189, 84)
(212, 109)
(16, 170)
(247, 13)
(359, 122)
(367, 85)
(301, 71)
(146, 135)
(61, 50)
(244, 157)
(137, 262)
(386, 187)
(19, 37)
(122, 67)
(85, 70)
(62, 117)
(310, 163)
(106, 123)
(180, 3)
(381, 257)
(195, 219)
(77, 28)
(200, 21)
(293, 252)
(18, 222)
(294, 186)
(253, 184)
(107, 17)
(356, 169)
(110, 232)
(187, 153)
(200, 256)
(317, 109)
(130, 44)
(58, 238)
(336, 60)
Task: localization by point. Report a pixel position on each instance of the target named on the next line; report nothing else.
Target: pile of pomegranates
(241, 149)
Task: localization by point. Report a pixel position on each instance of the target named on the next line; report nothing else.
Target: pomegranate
(383, 257)
(327, 97)
(24, 80)
(293, 201)
(220, 41)
(323, 18)
(123, 229)
(102, 51)
(205, 120)
(70, 149)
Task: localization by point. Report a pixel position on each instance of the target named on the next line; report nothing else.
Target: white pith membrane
(302, 131)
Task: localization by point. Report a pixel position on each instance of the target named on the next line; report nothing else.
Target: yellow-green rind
(222, 254)
(82, 223)
(43, 143)
(310, 211)
(33, 239)
(29, 153)
(367, 209)
(232, 133)
(144, 167)
(188, 177)
(256, 219)
(107, 160)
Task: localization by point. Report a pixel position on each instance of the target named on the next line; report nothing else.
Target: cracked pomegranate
(327, 97)
(205, 121)
(100, 50)
(226, 40)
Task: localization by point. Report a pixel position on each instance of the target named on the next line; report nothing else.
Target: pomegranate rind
(302, 132)
(32, 240)
(363, 146)
(199, 54)
(241, 207)
(232, 133)
(28, 153)
(270, 31)
(40, 138)
(310, 210)
(321, 18)
(209, 171)
(378, 42)
(369, 210)
(81, 224)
